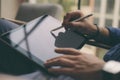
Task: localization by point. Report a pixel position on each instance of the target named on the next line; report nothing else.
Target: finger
(70, 17)
(70, 57)
(68, 51)
(65, 23)
(81, 27)
(59, 62)
(66, 20)
(74, 15)
(76, 25)
(61, 71)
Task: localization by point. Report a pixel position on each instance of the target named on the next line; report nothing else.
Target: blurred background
(106, 13)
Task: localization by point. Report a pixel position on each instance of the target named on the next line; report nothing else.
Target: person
(82, 65)
(78, 64)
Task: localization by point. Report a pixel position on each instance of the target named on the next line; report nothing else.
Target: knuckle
(77, 67)
(78, 58)
(60, 60)
(80, 13)
(74, 64)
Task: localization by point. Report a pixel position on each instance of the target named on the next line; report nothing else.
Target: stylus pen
(79, 19)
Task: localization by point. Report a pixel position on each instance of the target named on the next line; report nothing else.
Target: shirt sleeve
(114, 35)
(111, 70)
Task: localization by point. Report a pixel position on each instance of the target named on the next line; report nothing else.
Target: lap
(6, 25)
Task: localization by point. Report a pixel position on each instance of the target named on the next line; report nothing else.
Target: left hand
(75, 64)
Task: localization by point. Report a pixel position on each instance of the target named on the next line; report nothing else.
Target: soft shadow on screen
(26, 33)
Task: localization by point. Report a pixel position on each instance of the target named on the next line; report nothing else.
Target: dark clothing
(114, 53)
(114, 35)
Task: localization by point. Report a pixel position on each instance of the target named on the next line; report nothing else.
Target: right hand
(84, 26)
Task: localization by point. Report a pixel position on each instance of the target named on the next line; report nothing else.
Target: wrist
(95, 32)
(103, 32)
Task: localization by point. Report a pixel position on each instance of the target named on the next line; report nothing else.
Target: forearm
(109, 36)
(90, 30)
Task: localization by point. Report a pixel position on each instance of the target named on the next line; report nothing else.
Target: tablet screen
(35, 40)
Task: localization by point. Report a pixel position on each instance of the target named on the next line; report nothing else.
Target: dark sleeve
(6, 25)
(114, 35)
(109, 76)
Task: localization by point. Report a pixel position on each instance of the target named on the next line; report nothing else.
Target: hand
(75, 64)
(83, 26)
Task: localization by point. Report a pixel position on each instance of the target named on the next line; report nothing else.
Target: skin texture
(75, 64)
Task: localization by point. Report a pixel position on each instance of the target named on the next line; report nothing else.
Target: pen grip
(73, 19)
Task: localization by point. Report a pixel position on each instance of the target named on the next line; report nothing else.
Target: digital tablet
(37, 41)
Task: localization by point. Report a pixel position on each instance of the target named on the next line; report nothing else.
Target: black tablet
(38, 38)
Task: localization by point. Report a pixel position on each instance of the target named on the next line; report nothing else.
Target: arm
(83, 66)
(78, 65)
(110, 36)
(88, 28)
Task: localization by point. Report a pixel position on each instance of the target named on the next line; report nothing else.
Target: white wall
(9, 8)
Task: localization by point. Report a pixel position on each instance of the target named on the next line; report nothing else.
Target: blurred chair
(29, 11)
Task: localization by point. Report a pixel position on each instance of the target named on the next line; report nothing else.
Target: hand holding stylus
(76, 20)
(81, 24)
